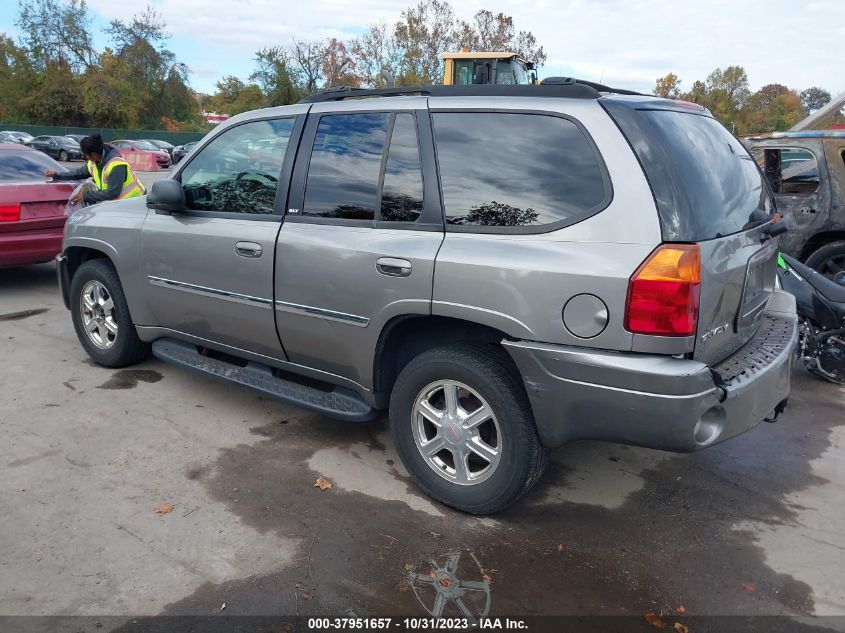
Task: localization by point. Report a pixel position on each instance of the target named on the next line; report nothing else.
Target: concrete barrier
(140, 160)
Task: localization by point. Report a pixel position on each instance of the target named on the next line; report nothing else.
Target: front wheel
(101, 316)
(63, 156)
(463, 427)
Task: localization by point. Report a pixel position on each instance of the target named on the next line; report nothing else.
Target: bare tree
(373, 52)
(308, 58)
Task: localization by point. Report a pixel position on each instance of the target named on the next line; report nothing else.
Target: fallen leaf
(408, 567)
(432, 573)
(164, 508)
(444, 582)
(561, 547)
(322, 483)
(682, 609)
(654, 620)
(681, 628)
(402, 586)
(749, 587)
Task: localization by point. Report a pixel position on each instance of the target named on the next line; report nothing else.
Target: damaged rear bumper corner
(659, 402)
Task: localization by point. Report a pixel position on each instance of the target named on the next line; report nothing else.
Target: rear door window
(343, 175)
(517, 172)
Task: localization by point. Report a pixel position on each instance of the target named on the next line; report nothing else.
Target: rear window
(719, 189)
(522, 172)
(25, 165)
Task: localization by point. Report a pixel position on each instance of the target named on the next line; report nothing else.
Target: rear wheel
(63, 156)
(463, 427)
(101, 316)
(829, 260)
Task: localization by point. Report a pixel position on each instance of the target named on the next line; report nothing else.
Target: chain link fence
(108, 134)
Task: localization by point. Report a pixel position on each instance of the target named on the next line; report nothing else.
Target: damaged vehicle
(501, 268)
(806, 171)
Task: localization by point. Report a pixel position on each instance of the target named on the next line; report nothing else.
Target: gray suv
(503, 268)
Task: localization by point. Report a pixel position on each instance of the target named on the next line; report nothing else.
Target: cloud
(626, 42)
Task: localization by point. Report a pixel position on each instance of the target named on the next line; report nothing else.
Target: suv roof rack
(560, 87)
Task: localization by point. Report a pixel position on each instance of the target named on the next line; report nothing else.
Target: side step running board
(339, 403)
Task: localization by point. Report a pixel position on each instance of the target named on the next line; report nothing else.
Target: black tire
(127, 348)
(488, 370)
(829, 259)
(63, 156)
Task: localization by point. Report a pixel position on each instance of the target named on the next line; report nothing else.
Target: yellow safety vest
(132, 187)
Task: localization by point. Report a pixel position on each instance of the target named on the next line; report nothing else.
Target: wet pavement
(754, 526)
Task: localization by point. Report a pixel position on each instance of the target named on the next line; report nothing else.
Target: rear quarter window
(517, 172)
(712, 186)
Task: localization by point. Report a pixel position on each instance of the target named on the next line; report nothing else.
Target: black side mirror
(166, 197)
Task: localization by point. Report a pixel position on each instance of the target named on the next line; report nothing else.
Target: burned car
(806, 171)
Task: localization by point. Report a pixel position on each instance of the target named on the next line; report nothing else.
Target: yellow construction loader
(467, 67)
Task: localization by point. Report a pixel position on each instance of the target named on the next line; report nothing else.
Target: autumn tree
(422, 33)
(668, 87)
(496, 32)
(338, 65)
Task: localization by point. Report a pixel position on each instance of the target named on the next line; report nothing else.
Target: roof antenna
(389, 79)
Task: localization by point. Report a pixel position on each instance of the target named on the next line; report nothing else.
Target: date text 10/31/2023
(416, 624)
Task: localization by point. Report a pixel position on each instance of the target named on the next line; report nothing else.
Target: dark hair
(92, 144)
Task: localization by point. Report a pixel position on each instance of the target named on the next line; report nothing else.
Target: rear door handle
(393, 267)
(248, 249)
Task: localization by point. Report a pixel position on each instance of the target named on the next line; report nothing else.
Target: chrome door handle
(393, 267)
(248, 249)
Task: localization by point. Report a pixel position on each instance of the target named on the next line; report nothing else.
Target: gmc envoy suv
(503, 268)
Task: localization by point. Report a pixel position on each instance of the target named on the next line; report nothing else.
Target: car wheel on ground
(463, 427)
(829, 260)
(101, 316)
(63, 156)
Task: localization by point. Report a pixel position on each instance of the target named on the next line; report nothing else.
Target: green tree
(422, 33)
(276, 76)
(814, 98)
(17, 81)
(57, 31)
(233, 96)
(668, 87)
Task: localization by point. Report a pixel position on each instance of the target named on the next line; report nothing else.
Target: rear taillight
(663, 293)
(10, 212)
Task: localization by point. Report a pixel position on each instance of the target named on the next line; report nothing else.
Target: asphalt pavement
(754, 526)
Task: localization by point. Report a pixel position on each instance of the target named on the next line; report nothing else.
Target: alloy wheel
(99, 315)
(456, 432)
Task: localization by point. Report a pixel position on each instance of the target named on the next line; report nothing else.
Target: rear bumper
(659, 401)
(19, 248)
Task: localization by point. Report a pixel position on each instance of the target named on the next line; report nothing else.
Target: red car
(161, 157)
(32, 210)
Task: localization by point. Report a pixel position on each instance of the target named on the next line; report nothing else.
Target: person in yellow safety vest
(113, 177)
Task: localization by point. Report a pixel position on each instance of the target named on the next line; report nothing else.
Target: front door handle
(248, 249)
(393, 267)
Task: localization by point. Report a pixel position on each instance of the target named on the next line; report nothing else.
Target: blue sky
(628, 43)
